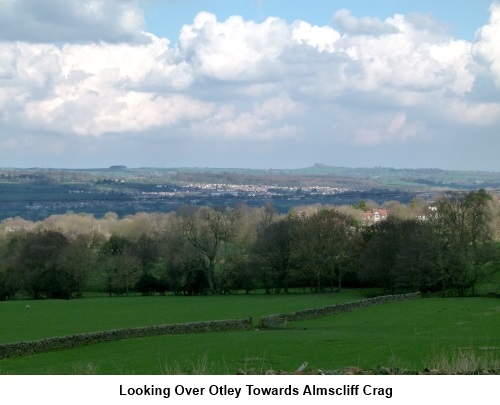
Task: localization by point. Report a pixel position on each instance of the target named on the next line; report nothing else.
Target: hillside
(35, 193)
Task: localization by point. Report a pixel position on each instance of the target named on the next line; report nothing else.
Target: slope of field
(47, 318)
(410, 335)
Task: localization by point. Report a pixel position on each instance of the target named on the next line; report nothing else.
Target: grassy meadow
(431, 332)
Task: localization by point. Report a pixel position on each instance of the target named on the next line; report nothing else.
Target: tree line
(218, 250)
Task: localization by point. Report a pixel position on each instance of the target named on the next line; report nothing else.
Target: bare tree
(211, 232)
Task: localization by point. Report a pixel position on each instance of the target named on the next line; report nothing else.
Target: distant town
(37, 193)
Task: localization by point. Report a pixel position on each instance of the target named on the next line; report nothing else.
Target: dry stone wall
(281, 320)
(271, 321)
(66, 342)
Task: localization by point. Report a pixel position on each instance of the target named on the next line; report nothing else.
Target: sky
(250, 83)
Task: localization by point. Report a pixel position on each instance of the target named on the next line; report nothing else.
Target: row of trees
(219, 250)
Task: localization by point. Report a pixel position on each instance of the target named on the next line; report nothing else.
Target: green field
(48, 318)
(411, 334)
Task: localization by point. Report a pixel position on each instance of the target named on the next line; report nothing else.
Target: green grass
(412, 334)
(60, 317)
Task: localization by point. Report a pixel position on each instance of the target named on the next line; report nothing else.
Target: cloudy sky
(250, 83)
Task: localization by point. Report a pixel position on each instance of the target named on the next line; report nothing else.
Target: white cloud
(377, 82)
(321, 38)
(386, 128)
(362, 26)
(70, 20)
(409, 58)
(268, 120)
(478, 113)
(278, 107)
(486, 49)
(234, 49)
(96, 89)
(128, 112)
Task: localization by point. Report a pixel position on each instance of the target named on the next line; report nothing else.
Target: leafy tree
(361, 205)
(147, 284)
(399, 254)
(38, 265)
(76, 264)
(180, 263)
(323, 247)
(379, 256)
(463, 236)
(146, 250)
(273, 252)
(120, 265)
(415, 267)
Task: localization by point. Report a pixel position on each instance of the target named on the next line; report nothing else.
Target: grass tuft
(200, 366)
(463, 360)
(88, 368)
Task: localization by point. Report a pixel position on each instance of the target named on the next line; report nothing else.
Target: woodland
(448, 248)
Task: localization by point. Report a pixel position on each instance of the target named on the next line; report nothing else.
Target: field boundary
(281, 320)
(18, 349)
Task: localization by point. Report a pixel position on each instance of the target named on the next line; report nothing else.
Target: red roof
(370, 214)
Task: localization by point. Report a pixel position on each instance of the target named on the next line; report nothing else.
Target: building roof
(370, 214)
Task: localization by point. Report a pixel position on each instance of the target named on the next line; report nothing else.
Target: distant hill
(377, 177)
(318, 174)
(36, 193)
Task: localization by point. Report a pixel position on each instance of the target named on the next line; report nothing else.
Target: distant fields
(408, 334)
(37, 193)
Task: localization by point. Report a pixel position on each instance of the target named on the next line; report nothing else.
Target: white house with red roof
(374, 216)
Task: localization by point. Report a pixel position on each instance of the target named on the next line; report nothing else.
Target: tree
(323, 246)
(463, 237)
(147, 284)
(39, 267)
(122, 268)
(211, 233)
(273, 251)
(398, 254)
(146, 250)
(77, 262)
(379, 256)
(415, 268)
(179, 266)
(361, 205)
(268, 215)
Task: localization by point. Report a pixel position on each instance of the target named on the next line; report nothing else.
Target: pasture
(410, 334)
